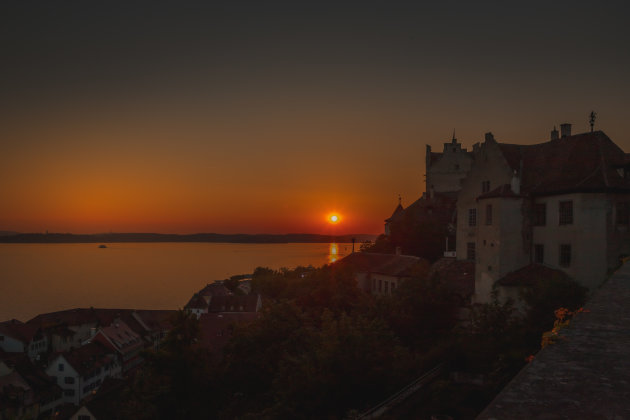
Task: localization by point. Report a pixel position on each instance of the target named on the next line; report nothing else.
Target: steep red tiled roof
(234, 303)
(197, 302)
(581, 163)
(527, 275)
(214, 289)
(457, 275)
(19, 330)
(88, 357)
(78, 316)
(363, 261)
(121, 336)
(398, 266)
(156, 320)
(388, 264)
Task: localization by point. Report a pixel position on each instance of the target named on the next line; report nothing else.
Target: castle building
(444, 174)
(563, 203)
(446, 170)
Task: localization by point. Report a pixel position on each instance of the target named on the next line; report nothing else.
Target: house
(433, 214)
(26, 391)
(214, 289)
(235, 303)
(199, 302)
(105, 403)
(81, 371)
(198, 305)
(564, 203)
(151, 325)
(18, 337)
(119, 338)
(74, 327)
(380, 274)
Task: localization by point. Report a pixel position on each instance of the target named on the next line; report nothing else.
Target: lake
(40, 278)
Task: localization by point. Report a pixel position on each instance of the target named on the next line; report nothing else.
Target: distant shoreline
(55, 238)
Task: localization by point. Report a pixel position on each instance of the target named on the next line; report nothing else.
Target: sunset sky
(265, 117)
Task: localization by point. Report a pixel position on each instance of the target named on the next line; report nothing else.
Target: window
(488, 214)
(68, 380)
(566, 212)
(539, 253)
(623, 216)
(84, 417)
(472, 217)
(565, 255)
(60, 367)
(393, 286)
(68, 392)
(485, 186)
(540, 214)
(470, 251)
(380, 285)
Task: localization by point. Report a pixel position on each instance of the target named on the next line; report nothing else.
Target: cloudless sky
(263, 116)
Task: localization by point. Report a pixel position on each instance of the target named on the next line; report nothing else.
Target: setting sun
(334, 218)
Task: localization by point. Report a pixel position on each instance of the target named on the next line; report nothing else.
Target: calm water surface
(39, 278)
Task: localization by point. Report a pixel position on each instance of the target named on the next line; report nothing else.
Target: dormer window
(485, 186)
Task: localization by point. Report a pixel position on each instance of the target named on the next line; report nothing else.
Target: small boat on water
(102, 246)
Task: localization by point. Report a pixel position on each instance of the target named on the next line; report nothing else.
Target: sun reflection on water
(333, 253)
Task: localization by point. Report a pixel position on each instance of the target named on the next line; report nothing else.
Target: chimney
(489, 137)
(431, 192)
(565, 130)
(554, 134)
(398, 250)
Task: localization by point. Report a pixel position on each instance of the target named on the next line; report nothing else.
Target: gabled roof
(585, 162)
(214, 289)
(44, 387)
(234, 303)
(78, 316)
(88, 357)
(388, 264)
(441, 207)
(197, 302)
(121, 336)
(456, 275)
(19, 330)
(156, 320)
(397, 210)
(528, 275)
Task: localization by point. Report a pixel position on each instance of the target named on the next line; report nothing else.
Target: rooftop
(585, 162)
(388, 264)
